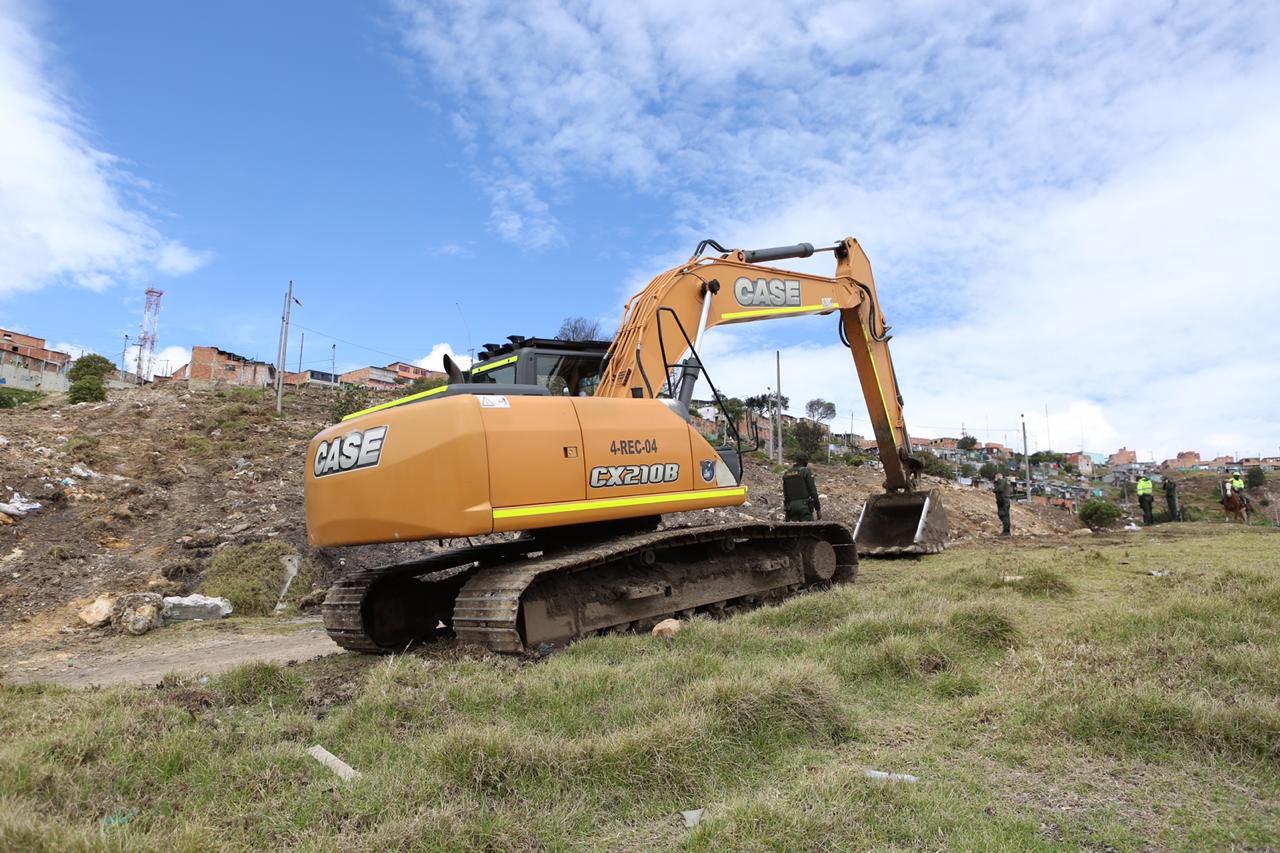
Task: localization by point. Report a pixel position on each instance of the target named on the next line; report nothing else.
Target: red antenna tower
(147, 340)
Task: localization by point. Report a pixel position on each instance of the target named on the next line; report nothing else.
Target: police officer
(1001, 488)
(799, 492)
(1237, 486)
(1145, 499)
(1171, 497)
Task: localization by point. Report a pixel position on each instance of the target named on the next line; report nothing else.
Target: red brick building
(1123, 456)
(211, 367)
(371, 377)
(409, 372)
(25, 362)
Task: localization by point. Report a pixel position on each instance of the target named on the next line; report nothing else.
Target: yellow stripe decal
(765, 312)
(871, 357)
(399, 402)
(610, 503)
(482, 368)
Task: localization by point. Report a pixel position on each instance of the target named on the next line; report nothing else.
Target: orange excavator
(577, 461)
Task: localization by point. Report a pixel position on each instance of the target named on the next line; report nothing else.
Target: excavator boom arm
(676, 308)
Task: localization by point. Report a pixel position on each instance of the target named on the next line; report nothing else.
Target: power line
(343, 341)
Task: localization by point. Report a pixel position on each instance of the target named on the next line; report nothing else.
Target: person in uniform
(1145, 499)
(1237, 487)
(1001, 488)
(799, 492)
(1171, 497)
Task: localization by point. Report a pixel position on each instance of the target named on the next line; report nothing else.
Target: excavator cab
(565, 368)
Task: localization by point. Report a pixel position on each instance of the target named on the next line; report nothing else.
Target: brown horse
(1233, 504)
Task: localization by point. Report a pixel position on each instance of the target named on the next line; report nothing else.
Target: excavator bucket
(899, 524)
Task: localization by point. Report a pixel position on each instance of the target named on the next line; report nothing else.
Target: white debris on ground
(180, 608)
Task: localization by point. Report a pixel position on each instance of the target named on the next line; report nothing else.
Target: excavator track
(515, 597)
(386, 609)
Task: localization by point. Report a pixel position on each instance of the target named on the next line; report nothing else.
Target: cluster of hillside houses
(27, 362)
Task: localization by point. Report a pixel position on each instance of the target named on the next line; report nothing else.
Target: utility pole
(1026, 456)
(1048, 436)
(301, 344)
(333, 363)
(284, 344)
(777, 401)
(124, 353)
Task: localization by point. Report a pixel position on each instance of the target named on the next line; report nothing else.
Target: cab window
(569, 375)
(505, 375)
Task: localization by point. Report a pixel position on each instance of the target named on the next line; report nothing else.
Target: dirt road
(206, 649)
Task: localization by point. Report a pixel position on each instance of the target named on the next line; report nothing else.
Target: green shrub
(423, 383)
(937, 467)
(251, 576)
(11, 398)
(90, 365)
(350, 399)
(1098, 512)
(87, 389)
(1254, 478)
(988, 471)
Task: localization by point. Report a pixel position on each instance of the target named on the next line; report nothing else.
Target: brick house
(1082, 462)
(25, 362)
(1187, 460)
(310, 377)
(406, 372)
(1123, 456)
(211, 367)
(371, 377)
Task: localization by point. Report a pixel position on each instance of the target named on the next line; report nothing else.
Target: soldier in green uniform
(1171, 497)
(799, 492)
(1001, 488)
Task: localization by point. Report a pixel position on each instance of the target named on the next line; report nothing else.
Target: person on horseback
(1237, 487)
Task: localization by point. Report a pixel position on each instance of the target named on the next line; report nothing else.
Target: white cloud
(64, 215)
(73, 350)
(1064, 205)
(434, 360)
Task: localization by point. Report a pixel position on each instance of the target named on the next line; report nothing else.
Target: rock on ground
(98, 612)
(195, 606)
(138, 613)
(666, 628)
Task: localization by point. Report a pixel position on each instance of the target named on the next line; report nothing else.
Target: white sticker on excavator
(351, 452)
(493, 402)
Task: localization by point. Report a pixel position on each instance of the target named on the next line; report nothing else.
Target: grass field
(1089, 704)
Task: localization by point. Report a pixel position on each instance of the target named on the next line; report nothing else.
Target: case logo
(769, 292)
(351, 452)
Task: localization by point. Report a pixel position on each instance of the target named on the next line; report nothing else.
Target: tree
(968, 469)
(937, 467)
(1254, 478)
(819, 410)
(967, 442)
(757, 406)
(734, 410)
(808, 438)
(578, 329)
(90, 364)
(988, 471)
(1097, 512)
(87, 389)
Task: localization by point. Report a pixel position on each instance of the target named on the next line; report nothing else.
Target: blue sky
(1065, 207)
